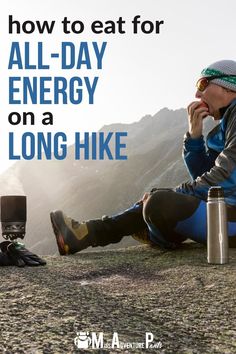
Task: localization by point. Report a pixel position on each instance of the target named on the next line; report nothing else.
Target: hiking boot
(71, 236)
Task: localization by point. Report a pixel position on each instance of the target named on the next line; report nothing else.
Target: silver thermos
(217, 234)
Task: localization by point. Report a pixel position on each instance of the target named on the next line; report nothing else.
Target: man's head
(217, 86)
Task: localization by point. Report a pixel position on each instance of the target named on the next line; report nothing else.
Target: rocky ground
(188, 305)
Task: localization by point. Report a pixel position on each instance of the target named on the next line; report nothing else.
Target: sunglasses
(203, 82)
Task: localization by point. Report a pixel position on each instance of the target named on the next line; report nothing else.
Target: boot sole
(62, 247)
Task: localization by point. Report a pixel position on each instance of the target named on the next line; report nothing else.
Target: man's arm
(196, 158)
(223, 173)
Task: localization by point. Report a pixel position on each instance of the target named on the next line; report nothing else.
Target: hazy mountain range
(90, 189)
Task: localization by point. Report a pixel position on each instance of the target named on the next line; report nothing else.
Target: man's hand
(146, 196)
(197, 111)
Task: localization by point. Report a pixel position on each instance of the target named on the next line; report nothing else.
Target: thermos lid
(216, 192)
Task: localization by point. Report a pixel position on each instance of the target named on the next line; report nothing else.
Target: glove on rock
(15, 253)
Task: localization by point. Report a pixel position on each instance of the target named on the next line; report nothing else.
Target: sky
(141, 73)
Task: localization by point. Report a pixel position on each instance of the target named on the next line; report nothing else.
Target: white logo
(82, 340)
(85, 339)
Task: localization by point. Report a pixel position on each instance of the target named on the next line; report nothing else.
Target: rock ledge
(188, 305)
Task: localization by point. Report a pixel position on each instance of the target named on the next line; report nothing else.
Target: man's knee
(156, 204)
(169, 206)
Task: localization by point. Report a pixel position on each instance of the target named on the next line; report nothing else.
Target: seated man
(167, 217)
